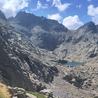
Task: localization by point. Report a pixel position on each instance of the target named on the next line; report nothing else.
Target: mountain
(87, 32)
(85, 36)
(43, 30)
(88, 26)
(18, 67)
(40, 54)
(29, 21)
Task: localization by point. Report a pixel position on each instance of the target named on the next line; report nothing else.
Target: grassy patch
(38, 95)
(1, 95)
(4, 92)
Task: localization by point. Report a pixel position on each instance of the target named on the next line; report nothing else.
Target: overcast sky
(71, 13)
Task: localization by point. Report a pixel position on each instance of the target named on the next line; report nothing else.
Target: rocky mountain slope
(20, 62)
(43, 30)
(37, 53)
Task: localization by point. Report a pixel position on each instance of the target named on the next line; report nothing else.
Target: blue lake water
(70, 63)
(73, 63)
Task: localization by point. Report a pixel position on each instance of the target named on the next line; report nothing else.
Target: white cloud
(60, 6)
(11, 7)
(41, 6)
(55, 17)
(72, 22)
(95, 19)
(93, 12)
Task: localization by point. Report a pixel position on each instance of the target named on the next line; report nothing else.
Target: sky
(70, 13)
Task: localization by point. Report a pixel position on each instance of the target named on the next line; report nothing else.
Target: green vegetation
(38, 95)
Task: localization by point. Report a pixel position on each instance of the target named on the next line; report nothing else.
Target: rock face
(44, 33)
(29, 21)
(20, 63)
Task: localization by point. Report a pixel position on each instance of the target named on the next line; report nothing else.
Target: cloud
(93, 12)
(60, 6)
(11, 7)
(41, 6)
(72, 22)
(55, 17)
(95, 19)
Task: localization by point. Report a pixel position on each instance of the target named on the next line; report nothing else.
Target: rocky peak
(25, 19)
(29, 21)
(90, 26)
(41, 31)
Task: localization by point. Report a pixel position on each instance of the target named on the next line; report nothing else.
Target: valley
(41, 56)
